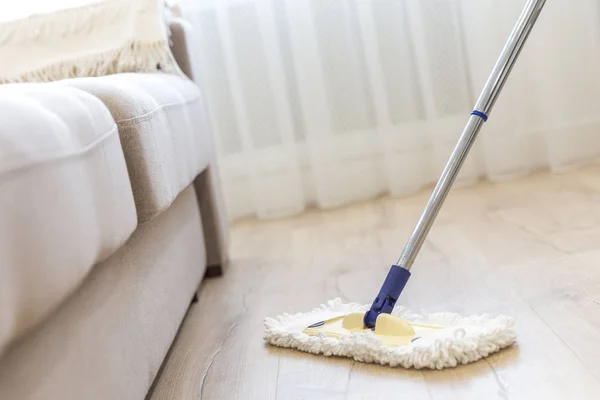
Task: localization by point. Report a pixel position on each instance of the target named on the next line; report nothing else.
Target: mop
(389, 334)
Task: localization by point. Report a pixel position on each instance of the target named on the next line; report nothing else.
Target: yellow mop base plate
(392, 330)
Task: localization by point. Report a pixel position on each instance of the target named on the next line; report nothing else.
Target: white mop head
(464, 339)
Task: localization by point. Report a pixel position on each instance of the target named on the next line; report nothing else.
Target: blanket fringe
(135, 56)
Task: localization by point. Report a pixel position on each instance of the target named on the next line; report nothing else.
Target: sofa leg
(214, 221)
(214, 271)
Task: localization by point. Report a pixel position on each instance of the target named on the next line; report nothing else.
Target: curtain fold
(327, 102)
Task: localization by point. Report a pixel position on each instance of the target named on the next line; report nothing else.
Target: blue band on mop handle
(388, 295)
(480, 114)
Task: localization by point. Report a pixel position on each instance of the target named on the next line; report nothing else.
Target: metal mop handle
(479, 115)
(399, 274)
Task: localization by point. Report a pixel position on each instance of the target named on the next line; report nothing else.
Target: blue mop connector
(388, 295)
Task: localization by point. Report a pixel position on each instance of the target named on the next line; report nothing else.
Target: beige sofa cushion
(65, 198)
(108, 341)
(164, 132)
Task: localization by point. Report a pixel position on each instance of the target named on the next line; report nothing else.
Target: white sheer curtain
(326, 102)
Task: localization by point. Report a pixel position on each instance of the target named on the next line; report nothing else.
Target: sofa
(110, 216)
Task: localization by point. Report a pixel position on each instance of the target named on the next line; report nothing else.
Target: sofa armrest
(207, 185)
(181, 45)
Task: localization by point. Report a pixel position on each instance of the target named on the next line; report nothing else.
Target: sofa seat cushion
(163, 129)
(108, 341)
(65, 198)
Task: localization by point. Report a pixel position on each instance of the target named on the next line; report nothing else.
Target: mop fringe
(464, 339)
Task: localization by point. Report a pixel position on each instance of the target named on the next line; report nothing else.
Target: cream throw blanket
(108, 37)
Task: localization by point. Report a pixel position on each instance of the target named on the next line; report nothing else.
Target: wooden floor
(528, 248)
